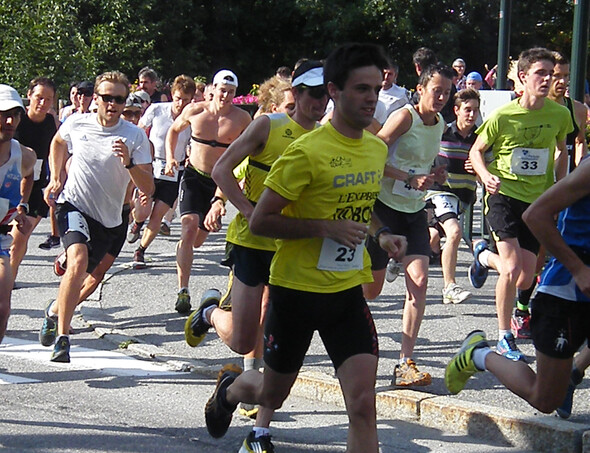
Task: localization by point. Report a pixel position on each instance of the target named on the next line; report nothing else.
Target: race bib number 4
(339, 258)
(160, 173)
(529, 161)
(404, 189)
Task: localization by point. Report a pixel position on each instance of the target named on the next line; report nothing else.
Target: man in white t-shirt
(106, 153)
(393, 96)
(156, 121)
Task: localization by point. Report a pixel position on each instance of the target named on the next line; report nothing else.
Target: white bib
(404, 189)
(4, 206)
(529, 161)
(339, 258)
(160, 171)
(37, 169)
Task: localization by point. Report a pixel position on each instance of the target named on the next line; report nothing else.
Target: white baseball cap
(9, 98)
(226, 77)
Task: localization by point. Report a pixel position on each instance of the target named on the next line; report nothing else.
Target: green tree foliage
(77, 39)
(70, 39)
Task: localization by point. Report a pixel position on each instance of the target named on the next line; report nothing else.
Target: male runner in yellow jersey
(262, 142)
(319, 201)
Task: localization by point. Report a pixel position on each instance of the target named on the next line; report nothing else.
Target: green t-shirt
(523, 146)
(326, 176)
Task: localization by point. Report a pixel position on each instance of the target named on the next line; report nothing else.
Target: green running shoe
(461, 366)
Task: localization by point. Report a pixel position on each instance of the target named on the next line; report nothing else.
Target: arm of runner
(213, 218)
(267, 220)
(58, 155)
(561, 160)
(580, 147)
(439, 174)
(29, 158)
(395, 245)
(142, 177)
(397, 124)
(250, 143)
(540, 216)
(476, 156)
(27, 165)
(179, 124)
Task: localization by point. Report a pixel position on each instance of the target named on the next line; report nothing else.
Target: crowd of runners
(342, 180)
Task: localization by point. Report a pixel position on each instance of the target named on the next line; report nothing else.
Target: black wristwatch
(25, 206)
(131, 164)
(215, 198)
(380, 231)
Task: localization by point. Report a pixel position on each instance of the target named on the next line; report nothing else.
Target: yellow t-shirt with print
(326, 176)
(283, 132)
(523, 146)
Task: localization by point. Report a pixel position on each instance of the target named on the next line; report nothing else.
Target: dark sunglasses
(84, 93)
(108, 98)
(317, 92)
(132, 113)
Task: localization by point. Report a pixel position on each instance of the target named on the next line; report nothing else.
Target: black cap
(86, 88)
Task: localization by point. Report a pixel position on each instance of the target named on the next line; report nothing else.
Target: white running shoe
(393, 270)
(454, 294)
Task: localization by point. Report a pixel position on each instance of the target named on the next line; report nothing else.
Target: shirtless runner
(215, 124)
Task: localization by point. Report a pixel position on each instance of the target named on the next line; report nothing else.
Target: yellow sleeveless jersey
(283, 132)
(326, 176)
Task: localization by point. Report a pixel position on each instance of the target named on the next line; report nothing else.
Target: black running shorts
(559, 326)
(75, 227)
(414, 226)
(196, 192)
(251, 266)
(167, 191)
(504, 218)
(343, 321)
(37, 205)
(120, 233)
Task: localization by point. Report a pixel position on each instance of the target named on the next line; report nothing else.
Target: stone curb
(440, 412)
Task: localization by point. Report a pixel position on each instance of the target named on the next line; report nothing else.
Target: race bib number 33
(339, 258)
(529, 161)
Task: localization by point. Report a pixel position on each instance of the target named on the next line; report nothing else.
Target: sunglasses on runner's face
(108, 98)
(317, 92)
(132, 113)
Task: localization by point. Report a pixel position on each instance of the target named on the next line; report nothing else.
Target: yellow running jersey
(283, 132)
(326, 176)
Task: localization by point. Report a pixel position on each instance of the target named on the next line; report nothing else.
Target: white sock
(259, 432)
(249, 363)
(60, 336)
(483, 258)
(503, 333)
(479, 358)
(184, 288)
(206, 311)
(50, 312)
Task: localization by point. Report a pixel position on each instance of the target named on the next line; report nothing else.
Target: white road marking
(11, 379)
(112, 363)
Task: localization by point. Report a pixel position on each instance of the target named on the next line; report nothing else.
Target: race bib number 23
(339, 258)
